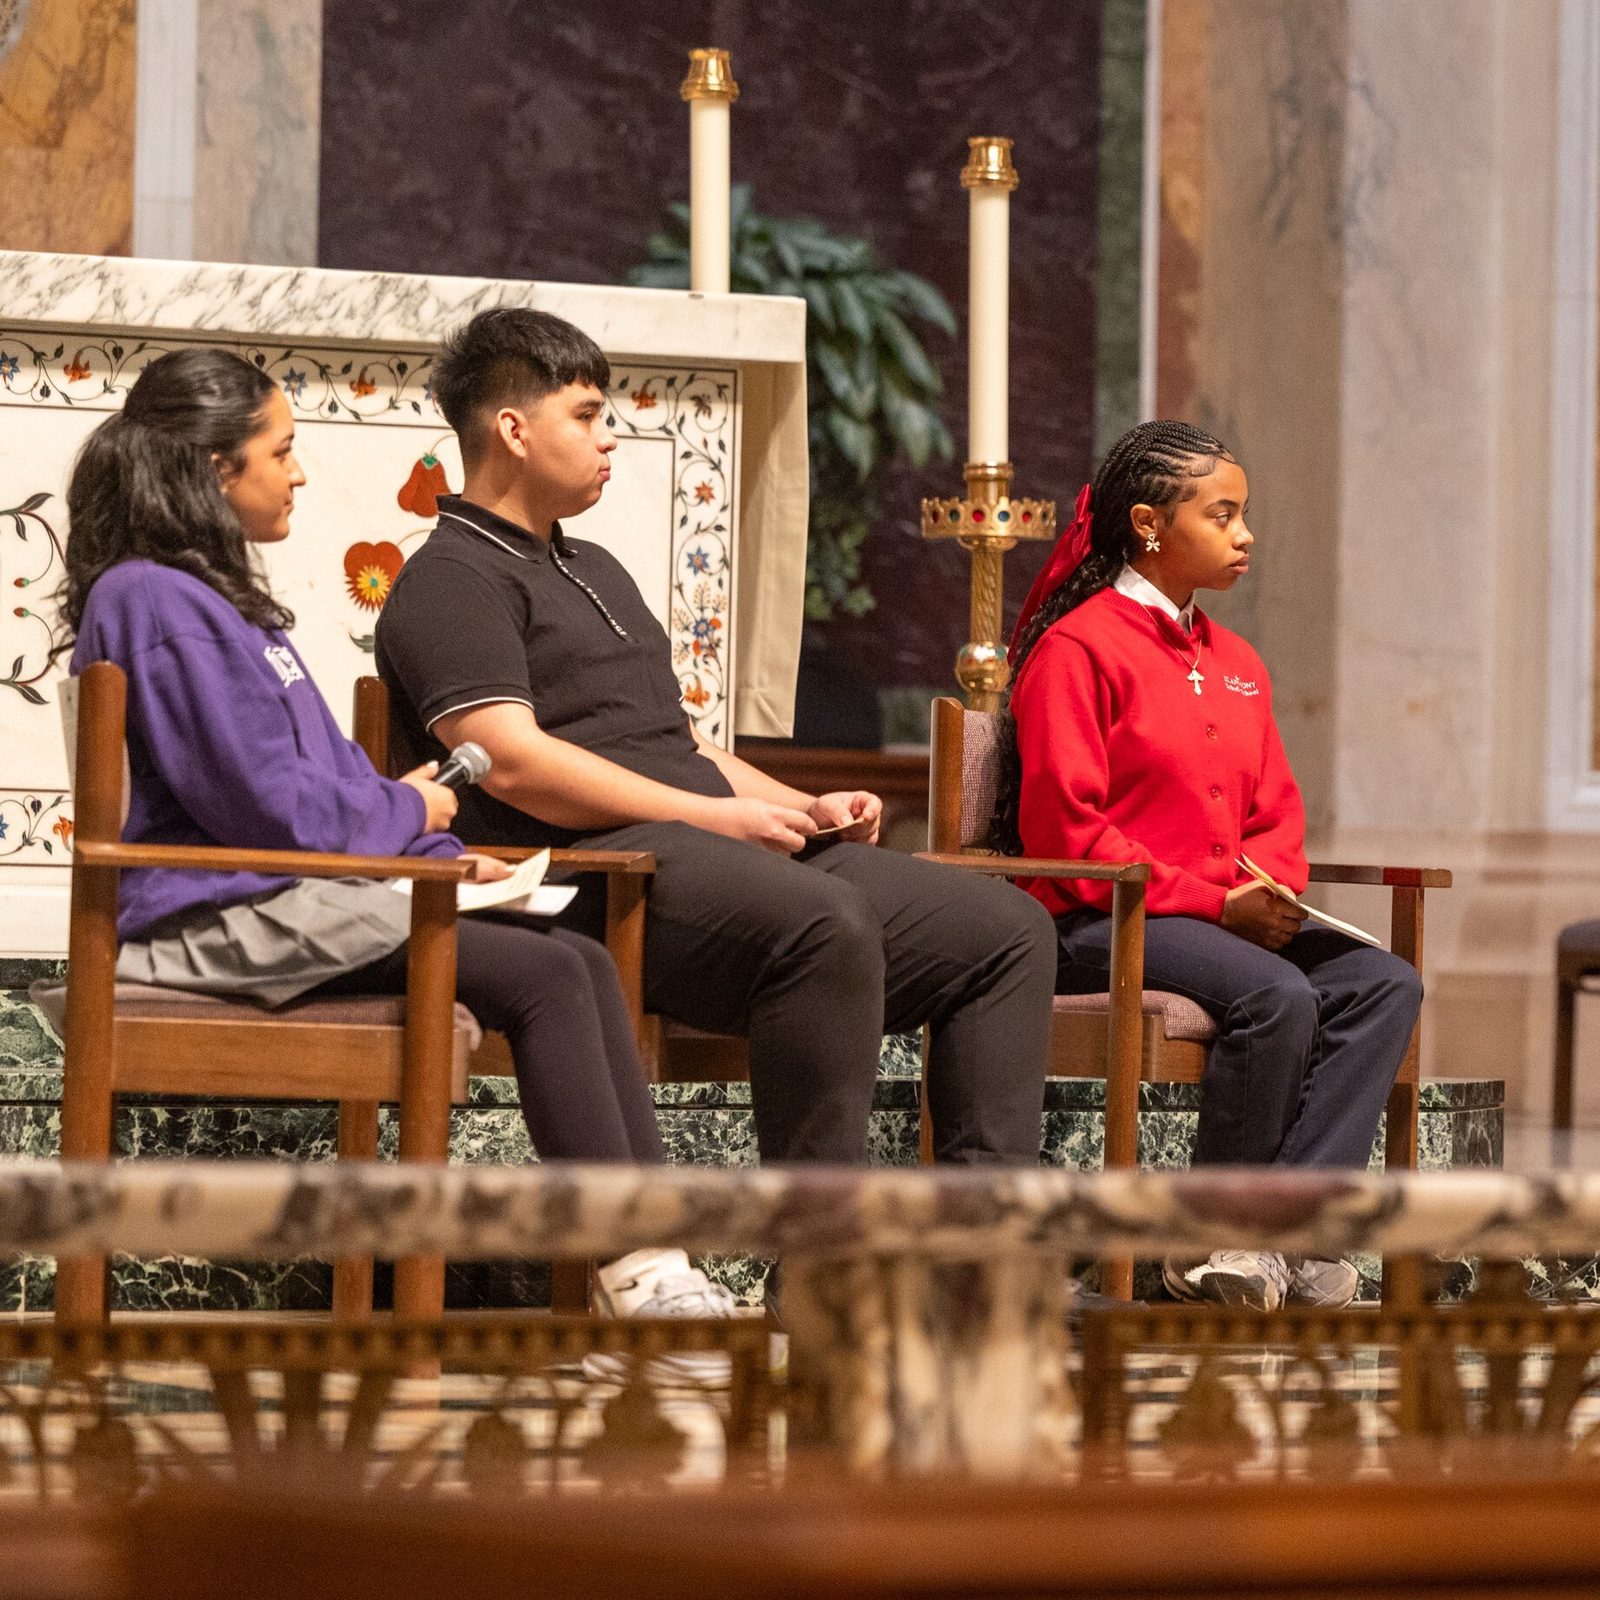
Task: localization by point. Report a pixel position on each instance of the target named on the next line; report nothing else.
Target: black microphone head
(467, 764)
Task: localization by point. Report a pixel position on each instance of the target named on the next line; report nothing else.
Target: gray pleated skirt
(276, 948)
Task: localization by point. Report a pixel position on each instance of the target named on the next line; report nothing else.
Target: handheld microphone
(466, 765)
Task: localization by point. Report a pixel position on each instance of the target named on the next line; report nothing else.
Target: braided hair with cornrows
(1153, 464)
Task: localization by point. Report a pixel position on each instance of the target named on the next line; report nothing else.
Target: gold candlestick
(987, 522)
(710, 91)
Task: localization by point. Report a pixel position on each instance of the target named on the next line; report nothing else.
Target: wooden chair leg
(1125, 1025)
(1403, 1275)
(1561, 1111)
(425, 1075)
(352, 1276)
(571, 1283)
(924, 1110)
(625, 913)
(90, 1034)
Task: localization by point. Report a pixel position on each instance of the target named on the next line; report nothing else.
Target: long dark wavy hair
(146, 484)
(1152, 465)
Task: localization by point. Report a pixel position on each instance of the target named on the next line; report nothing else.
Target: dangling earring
(1152, 542)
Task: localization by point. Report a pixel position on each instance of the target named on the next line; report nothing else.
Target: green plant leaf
(914, 426)
(852, 309)
(660, 275)
(818, 304)
(856, 440)
(923, 300)
(908, 352)
(834, 368)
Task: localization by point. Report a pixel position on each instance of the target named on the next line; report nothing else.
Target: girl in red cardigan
(1144, 732)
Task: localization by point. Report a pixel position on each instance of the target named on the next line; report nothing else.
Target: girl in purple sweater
(230, 743)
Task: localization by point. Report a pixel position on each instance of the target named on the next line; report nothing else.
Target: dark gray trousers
(1309, 1039)
(815, 958)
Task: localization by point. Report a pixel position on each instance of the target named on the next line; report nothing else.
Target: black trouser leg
(1309, 1038)
(973, 958)
(812, 958)
(555, 997)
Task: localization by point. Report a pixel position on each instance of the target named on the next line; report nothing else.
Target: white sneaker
(660, 1283)
(1324, 1285)
(1256, 1279)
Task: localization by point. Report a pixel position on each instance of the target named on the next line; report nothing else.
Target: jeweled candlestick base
(987, 522)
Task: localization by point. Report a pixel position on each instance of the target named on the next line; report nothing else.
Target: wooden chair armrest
(1042, 867)
(278, 863)
(610, 862)
(1383, 877)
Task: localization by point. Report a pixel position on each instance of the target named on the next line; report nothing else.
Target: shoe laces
(687, 1294)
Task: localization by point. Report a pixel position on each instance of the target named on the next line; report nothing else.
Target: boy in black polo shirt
(541, 649)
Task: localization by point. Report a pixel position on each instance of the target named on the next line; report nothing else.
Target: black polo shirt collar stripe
(478, 615)
(557, 548)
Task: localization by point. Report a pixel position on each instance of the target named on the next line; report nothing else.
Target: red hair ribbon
(1065, 559)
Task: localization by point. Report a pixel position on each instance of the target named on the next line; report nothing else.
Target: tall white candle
(989, 177)
(710, 91)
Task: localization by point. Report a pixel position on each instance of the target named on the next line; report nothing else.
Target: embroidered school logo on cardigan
(1240, 685)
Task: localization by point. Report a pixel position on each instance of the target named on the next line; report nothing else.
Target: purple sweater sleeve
(229, 750)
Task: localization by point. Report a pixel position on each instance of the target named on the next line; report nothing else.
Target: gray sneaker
(1324, 1285)
(1254, 1279)
(660, 1283)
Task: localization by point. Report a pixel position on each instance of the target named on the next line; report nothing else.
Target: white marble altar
(707, 505)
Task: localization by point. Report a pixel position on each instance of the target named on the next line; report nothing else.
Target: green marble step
(1461, 1124)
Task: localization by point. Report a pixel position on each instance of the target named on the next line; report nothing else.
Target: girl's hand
(490, 869)
(440, 801)
(1255, 913)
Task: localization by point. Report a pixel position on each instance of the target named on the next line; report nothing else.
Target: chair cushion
(1181, 1017)
(1580, 938)
(980, 774)
(150, 1002)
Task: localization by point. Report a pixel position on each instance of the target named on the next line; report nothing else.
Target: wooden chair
(1132, 1034)
(137, 1039)
(671, 1052)
(627, 874)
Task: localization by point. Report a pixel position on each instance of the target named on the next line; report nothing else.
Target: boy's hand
(856, 811)
(1255, 913)
(762, 822)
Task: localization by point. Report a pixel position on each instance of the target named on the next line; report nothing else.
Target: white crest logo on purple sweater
(282, 660)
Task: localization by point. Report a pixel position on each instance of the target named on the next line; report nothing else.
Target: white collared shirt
(1138, 587)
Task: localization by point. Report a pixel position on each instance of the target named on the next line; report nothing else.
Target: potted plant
(871, 388)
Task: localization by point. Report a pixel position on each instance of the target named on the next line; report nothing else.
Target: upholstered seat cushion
(146, 1001)
(1181, 1017)
(980, 775)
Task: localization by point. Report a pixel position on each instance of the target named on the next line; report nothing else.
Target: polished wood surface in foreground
(1509, 1533)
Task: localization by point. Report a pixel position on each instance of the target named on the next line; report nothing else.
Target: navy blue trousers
(1309, 1038)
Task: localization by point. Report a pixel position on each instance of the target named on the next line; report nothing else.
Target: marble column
(1359, 291)
(258, 131)
(66, 125)
(230, 126)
